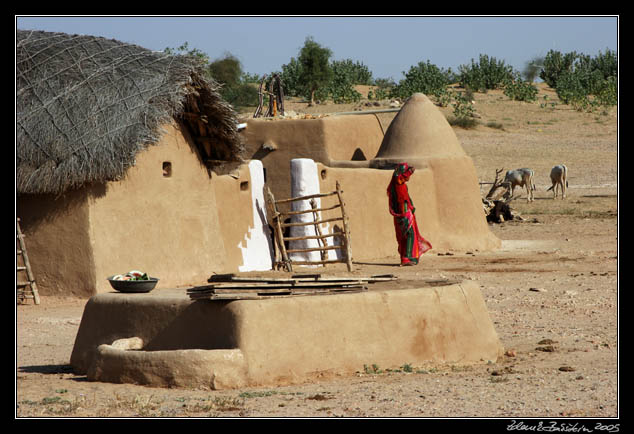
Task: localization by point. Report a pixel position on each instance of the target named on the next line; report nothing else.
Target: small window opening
(167, 169)
(244, 185)
(324, 173)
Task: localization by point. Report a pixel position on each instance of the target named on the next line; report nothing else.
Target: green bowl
(133, 285)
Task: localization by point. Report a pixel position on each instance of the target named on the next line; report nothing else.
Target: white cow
(559, 178)
(523, 178)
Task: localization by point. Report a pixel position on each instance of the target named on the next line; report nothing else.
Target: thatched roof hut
(85, 106)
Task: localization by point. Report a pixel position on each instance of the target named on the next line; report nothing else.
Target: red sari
(411, 245)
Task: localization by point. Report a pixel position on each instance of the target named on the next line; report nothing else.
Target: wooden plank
(330, 261)
(273, 286)
(315, 237)
(305, 211)
(334, 219)
(312, 196)
(270, 295)
(315, 249)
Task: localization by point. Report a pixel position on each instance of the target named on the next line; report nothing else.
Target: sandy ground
(551, 291)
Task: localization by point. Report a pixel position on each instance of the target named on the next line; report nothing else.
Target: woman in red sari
(411, 245)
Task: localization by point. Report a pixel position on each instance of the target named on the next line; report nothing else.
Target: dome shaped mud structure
(417, 132)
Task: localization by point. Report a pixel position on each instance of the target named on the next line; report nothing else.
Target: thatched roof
(85, 106)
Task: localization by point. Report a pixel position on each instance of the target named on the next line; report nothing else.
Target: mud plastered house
(113, 151)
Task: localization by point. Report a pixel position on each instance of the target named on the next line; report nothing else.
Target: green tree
(226, 70)
(235, 89)
(315, 68)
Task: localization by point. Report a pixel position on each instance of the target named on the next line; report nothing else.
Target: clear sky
(387, 45)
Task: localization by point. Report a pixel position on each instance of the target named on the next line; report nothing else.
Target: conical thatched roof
(85, 106)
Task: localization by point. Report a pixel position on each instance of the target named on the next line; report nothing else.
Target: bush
(577, 77)
(607, 94)
(519, 90)
(240, 95)
(345, 74)
(355, 72)
(488, 73)
(383, 89)
(290, 75)
(555, 65)
(425, 78)
(462, 106)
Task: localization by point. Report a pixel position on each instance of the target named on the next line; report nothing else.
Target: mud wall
(168, 216)
(345, 138)
(57, 240)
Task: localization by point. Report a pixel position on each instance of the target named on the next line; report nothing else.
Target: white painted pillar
(304, 182)
(257, 248)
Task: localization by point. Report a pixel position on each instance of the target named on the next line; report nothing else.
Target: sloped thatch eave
(85, 106)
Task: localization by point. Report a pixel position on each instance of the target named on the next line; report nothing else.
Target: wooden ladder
(25, 288)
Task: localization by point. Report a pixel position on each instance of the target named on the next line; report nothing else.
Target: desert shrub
(487, 73)
(425, 78)
(345, 75)
(607, 63)
(240, 95)
(520, 90)
(463, 111)
(555, 65)
(383, 88)
(462, 122)
(339, 85)
(290, 75)
(607, 94)
(569, 88)
(582, 81)
(355, 72)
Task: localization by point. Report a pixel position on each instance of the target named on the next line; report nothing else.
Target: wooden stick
(314, 237)
(305, 211)
(345, 227)
(279, 235)
(312, 196)
(315, 249)
(285, 225)
(320, 241)
(330, 261)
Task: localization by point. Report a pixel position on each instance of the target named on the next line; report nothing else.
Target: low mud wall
(286, 340)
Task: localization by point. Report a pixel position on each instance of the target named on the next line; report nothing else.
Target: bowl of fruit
(133, 281)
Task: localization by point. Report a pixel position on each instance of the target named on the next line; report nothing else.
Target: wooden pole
(320, 241)
(345, 227)
(277, 228)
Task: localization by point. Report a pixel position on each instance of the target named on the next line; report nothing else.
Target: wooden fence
(281, 219)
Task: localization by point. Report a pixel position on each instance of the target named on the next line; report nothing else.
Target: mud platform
(166, 339)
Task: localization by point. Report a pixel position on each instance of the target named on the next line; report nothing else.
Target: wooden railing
(278, 219)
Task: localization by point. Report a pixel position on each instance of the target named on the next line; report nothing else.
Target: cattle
(523, 178)
(559, 178)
